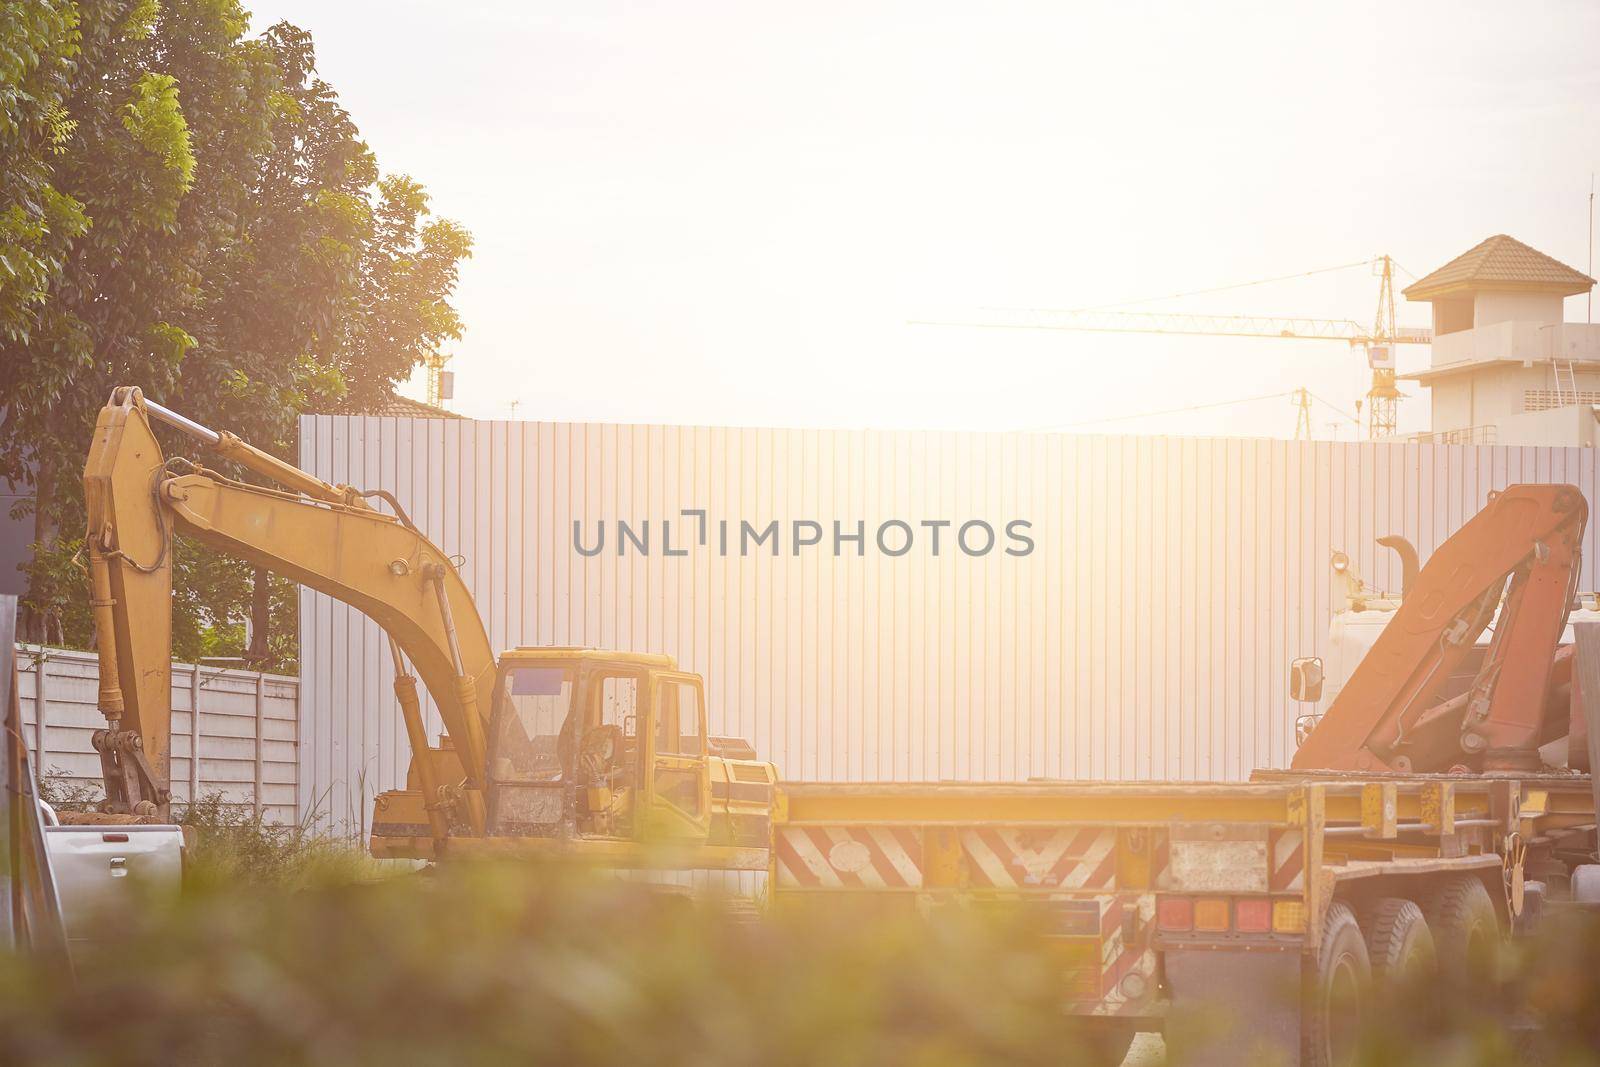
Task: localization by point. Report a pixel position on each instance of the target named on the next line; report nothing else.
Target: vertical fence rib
(40, 707)
(194, 733)
(261, 725)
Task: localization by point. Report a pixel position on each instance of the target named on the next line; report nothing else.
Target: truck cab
(601, 751)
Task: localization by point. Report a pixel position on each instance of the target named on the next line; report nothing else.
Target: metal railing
(1487, 434)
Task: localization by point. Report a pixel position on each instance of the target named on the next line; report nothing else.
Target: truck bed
(1261, 859)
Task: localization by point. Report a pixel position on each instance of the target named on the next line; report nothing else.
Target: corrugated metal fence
(247, 729)
(1146, 635)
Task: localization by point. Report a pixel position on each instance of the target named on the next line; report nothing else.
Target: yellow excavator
(595, 755)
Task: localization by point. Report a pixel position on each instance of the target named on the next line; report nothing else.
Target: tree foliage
(188, 208)
(38, 42)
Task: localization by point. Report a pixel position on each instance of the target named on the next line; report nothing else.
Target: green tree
(38, 41)
(408, 270)
(241, 259)
(127, 160)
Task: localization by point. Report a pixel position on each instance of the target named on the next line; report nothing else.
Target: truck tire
(1336, 991)
(1399, 943)
(1465, 926)
(1586, 883)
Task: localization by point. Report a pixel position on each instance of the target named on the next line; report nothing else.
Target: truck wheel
(1399, 943)
(1465, 926)
(1100, 1042)
(1586, 883)
(1336, 991)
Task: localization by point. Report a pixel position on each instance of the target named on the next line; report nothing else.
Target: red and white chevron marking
(1127, 922)
(1046, 858)
(1160, 858)
(1287, 856)
(1120, 956)
(847, 857)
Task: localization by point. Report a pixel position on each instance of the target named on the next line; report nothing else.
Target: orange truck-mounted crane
(1417, 823)
(596, 755)
(1521, 555)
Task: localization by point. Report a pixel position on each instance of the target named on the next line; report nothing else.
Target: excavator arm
(1527, 545)
(326, 537)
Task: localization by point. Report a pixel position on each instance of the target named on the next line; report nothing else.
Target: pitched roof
(397, 406)
(1501, 262)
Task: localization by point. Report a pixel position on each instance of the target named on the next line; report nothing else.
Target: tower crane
(1377, 343)
(440, 384)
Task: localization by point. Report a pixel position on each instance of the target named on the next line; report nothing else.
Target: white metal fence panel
(1147, 635)
(247, 729)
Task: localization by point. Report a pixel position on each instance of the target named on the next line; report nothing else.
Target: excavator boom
(1389, 715)
(323, 536)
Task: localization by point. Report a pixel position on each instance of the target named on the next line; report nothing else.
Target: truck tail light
(1288, 916)
(1252, 915)
(1175, 913)
(1211, 915)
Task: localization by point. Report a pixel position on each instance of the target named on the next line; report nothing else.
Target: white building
(1506, 369)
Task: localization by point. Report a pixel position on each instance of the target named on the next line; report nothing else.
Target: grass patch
(230, 845)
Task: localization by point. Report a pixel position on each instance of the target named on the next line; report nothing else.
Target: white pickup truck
(60, 882)
(99, 870)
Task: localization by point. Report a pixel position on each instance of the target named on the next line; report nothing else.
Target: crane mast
(1382, 396)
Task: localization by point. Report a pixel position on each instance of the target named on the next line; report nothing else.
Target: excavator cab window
(679, 786)
(534, 702)
(526, 764)
(610, 735)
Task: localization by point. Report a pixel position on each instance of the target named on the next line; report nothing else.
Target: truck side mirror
(1305, 679)
(1303, 726)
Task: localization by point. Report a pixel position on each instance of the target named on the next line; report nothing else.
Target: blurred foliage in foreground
(492, 965)
(1536, 1004)
(285, 950)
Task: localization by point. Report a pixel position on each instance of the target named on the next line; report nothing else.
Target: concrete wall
(1452, 314)
(1450, 403)
(1571, 424)
(1146, 636)
(236, 708)
(1498, 396)
(1491, 307)
(1530, 342)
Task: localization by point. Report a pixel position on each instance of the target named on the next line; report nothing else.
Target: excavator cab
(598, 745)
(592, 752)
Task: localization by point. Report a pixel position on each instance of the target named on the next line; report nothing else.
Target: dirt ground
(1147, 1051)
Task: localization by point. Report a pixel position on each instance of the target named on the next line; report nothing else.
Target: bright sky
(726, 212)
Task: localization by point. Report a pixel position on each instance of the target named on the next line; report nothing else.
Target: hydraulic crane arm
(1388, 716)
(323, 536)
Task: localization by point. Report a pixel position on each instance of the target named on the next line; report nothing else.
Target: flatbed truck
(1422, 820)
(1172, 899)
